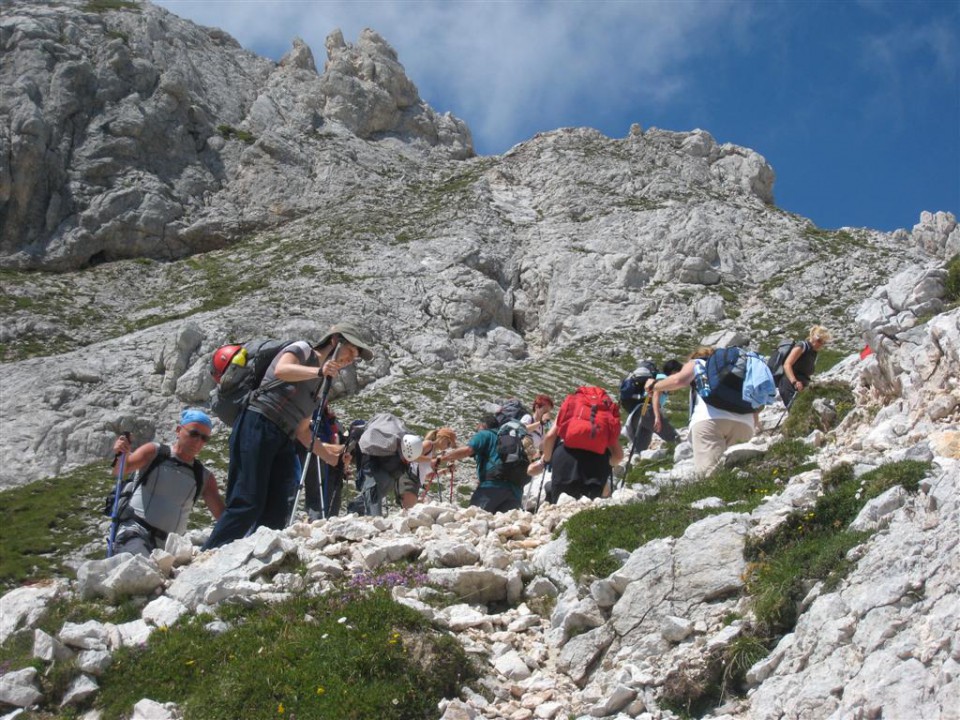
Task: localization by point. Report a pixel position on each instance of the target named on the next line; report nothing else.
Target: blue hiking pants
(262, 468)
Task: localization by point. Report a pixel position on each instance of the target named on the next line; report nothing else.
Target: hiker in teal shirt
(490, 495)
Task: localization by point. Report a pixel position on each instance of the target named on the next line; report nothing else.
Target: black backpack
(633, 387)
(352, 442)
(243, 376)
(140, 477)
(511, 409)
(512, 467)
(775, 363)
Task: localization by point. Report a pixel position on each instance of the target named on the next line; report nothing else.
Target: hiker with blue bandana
(168, 481)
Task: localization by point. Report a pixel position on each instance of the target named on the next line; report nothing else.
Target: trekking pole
(543, 480)
(786, 411)
(450, 470)
(115, 512)
(633, 446)
(324, 392)
(322, 475)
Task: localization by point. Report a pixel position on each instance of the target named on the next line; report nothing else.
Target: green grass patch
(17, 651)
(44, 521)
(594, 532)
(105, 5)
(812, 544)
(828, 357)
(802, 419)
(952, 283)
(228, 132)
(295, 659)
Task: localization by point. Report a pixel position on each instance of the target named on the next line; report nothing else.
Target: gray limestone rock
(19, 688)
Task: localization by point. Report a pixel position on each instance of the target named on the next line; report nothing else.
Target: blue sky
(856, 105)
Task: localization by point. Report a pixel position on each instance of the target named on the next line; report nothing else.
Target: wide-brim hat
(353, 335)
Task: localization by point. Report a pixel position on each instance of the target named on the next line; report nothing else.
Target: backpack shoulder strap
(163, 454)
(141, 475)
(199, 473)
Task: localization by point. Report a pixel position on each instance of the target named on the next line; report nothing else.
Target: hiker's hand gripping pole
(324, 394)
(121, 460)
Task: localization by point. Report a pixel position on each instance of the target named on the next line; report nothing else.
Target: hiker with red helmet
(262, 444)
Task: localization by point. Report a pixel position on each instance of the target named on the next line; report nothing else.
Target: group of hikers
(286, 436)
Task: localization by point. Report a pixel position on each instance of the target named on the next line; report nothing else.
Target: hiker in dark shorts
(173, 480)
(799, 364)
(490, 495)
(575, 472)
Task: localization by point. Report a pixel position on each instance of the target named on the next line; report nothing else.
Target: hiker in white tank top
(162, 502)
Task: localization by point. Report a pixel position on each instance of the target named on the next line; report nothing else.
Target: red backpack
(589, 420)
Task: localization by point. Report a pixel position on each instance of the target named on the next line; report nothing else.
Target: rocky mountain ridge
(186, 193)
(460, 266)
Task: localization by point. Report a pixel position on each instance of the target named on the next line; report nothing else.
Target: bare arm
(136, 460)
(788, 366)
(616, 452)
(678, 380)
(549, 441)
(464, 451)
(657, 411)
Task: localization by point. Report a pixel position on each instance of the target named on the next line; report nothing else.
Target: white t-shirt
(535, 435)
(424, 469)
(702, 411)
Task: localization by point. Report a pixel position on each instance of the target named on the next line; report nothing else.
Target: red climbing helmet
(221, 360)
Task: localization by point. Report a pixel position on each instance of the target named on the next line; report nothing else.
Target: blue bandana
(192, 415)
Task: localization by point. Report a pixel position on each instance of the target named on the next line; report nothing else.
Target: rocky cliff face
(131, 132)
(881, 643)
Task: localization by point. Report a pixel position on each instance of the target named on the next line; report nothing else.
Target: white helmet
(411, 447)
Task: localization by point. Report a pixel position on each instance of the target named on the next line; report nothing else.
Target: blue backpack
(719, 380)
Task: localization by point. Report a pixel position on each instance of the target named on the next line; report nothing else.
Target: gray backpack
(382, 435)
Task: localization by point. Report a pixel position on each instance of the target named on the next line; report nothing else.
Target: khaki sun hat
(353, 335)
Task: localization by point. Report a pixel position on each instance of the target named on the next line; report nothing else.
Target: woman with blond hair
(435, 443)
(798, 365)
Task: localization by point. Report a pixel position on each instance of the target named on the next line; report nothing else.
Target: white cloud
(505, 67)
(912, 66)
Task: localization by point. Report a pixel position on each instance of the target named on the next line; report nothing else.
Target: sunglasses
(198, 434)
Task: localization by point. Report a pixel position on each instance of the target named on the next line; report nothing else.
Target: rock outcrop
(131, 133)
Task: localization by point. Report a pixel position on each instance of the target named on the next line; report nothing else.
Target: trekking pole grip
(116, 456)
